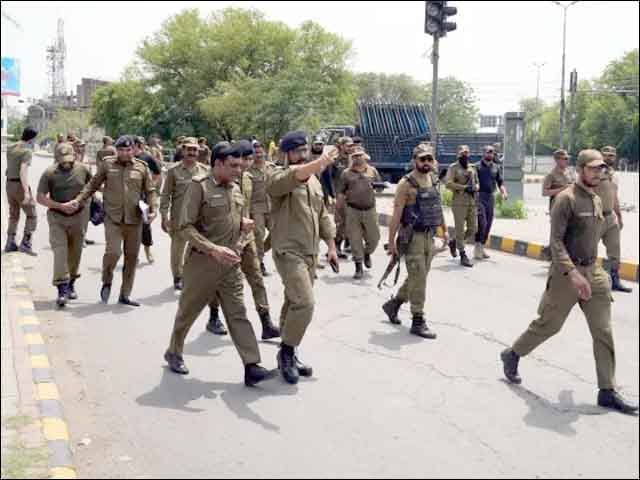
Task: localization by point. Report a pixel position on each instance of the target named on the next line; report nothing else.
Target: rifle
(405, 234)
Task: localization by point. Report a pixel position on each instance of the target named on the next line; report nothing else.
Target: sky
(493, 48)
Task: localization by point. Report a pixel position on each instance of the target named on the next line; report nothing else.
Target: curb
(628, 270)
(54, 427)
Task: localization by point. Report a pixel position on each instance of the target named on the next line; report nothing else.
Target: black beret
(29, 133)
(221, 150)
(245, 148)
(125, 141)
(293, 140)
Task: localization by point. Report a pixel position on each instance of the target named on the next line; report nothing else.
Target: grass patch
(17, 422)
(21, 462)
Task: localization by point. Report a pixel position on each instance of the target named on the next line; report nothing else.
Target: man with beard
(59, 184)
(559, 178)
(462, 180)
(577, 226)
(299, 219)
(343, 161)
(417, 214)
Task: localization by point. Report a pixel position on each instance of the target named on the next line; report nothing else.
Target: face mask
(317, 150)
(66, 165)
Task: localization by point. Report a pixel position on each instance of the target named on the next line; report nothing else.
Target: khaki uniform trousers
(262, 225)
(418, 260)
(178, 250)
(362, 231)
(204, 278)
(611, 239)
(557, 302)
(117, 237)
(250, 267)
(340, 220)
(465, 215)
(15, 197)
(66, 237)
(297, 273)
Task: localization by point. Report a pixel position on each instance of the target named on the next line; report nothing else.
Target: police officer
(79, 149)
(173, 195)
(417, 214)
(250, 264)
(212, 222)
(607, 190)
(155, 148)
(107, 150)
(126, 181)
(559, 178)
(358, 199)
(260, 202)
(462, 180)
(204, 154)
(577, 225)
(300, 219)
(59, 184)
(19, 193)
(60, 140)
(490, 179)
(345, 148)
(141, 153)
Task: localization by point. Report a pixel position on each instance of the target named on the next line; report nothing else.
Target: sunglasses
(425, 159)
(191, 149)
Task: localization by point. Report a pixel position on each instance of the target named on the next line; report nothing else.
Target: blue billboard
(10, 76)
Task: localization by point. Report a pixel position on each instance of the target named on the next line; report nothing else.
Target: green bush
(510, 209)
(447, 197)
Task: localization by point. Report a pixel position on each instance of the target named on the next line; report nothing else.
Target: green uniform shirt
(357, 187)
(211, 214)
(577, 225)
(17, 154)
(260, 202)
(607, 190)
(64, 185)
(555, 179)
(457, 180)
(124, 186)
(298, 213)
(175, 188)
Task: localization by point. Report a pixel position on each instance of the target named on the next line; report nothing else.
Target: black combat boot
(367, 260)
(464, 260)
(510, 361)
(105, 291)
(215, 325)
(177, 283)
(339, 251)
(287, 364)
(176, 363)
(26, 247)
(613, 400)
(347, 245)
(63, 292)
(359, 271)
(391, 307)
(72, 290)
(11, 245)
(419, 327)
(254, 374)
(269, 330)
(303, 370)
(263, 270)
(127, 301)
(616, 284)
(453, 248)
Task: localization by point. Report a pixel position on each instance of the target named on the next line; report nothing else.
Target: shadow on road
(176, 392)
(165, 296)
(394, 340)
(203, 345)
(557, 416)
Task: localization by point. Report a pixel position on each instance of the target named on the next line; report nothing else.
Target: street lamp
(536, 124)
(565, 7)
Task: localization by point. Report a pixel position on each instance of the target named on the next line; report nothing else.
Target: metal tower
(56, 55)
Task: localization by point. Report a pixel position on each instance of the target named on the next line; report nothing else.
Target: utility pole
(565, 7)
(434, 91)
(573, 88)
(536, 124)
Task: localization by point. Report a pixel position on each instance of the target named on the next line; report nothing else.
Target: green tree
(457, 106)
(390, 88)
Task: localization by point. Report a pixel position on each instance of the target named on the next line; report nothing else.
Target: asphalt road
(381, 403)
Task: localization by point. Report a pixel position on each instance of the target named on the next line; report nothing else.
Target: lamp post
(536, 124)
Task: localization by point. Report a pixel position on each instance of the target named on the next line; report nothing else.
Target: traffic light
(436, 14)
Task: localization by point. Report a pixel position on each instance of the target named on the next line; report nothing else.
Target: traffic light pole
(434, 91)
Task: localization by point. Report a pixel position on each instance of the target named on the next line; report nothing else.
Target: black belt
(584, 262)
(13, 179)
(67, 214)
(358, 208)
(608, 213)
(423, 229)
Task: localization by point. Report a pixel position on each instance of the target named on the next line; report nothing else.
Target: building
(86, 90)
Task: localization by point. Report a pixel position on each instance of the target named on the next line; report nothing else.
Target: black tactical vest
(426, 213)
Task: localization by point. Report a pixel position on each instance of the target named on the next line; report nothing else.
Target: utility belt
(423, 229)
(60, 212)
(584, 262)
(608, 213)
(356, 207)
(13, 179)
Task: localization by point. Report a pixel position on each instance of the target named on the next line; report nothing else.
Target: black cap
(357, 140)
(244, 148)
(29, 133)
(125, 141)
(221, 150)
(293, 140)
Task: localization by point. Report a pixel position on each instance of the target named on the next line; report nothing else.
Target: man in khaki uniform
(171, 202)
(417, 210)
(559, 178)
(260, 202)
(607, 190)
(358, 199)
(126, 181)
(107, 150)
(343, 161)
(204, 154)
(79, 149)
(155, 148)
(59, 184)
(212, 222)
(250, 264)
(300, 219)
(462, 180)
(577, 225)
(19, 193)
(60, 140)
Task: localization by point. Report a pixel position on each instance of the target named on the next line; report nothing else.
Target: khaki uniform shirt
(204, 155)
(124, 186)
(406, 194)
(17, 154)
(104, 153)
(64, 185)
(607, 190)
(457, 180)
(577, 225)
(298, 213)
(211, 214)
(357, 187)
(556, 179)
(342, 162)
(175, 187)
(260, 202)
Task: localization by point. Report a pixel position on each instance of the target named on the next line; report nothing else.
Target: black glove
(470, 189)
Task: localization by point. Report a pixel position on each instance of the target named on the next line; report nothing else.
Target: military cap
(609, 149)
(125, 141)
(462, 147)
(221, 150)
(423, 150)
(29, 133)
(561, 152)
(107, 139)
(318, 140)
(359, 152)
(345, 141)
(357, 140)
(190, 142)
(589, 158)
(293, 140)
(244, 148)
